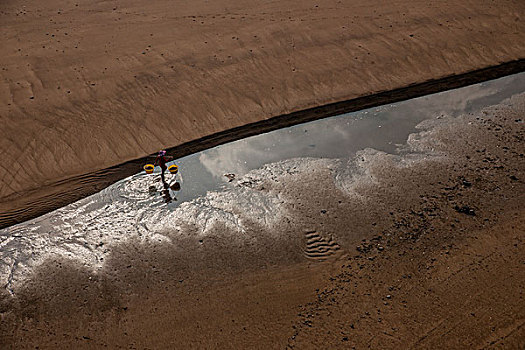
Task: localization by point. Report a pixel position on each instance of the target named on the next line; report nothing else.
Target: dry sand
(424, 250)
(87, 85)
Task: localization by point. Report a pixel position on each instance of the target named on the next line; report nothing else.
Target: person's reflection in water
(168, 198)
(166, 192)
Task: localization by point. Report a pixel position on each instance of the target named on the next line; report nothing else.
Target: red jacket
(161, 161)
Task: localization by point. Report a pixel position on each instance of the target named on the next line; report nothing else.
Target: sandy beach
(87, 86)
(421, 249)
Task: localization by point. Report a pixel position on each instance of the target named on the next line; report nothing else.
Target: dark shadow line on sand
(34, 203)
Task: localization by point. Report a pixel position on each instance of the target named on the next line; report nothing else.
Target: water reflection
(142, 205)
(168, 189)
(175, 186)
(383, 128)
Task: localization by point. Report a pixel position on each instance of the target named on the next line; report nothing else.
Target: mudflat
(420, 249)
(89, 85)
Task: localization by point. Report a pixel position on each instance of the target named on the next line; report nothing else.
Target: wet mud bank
(419, 248)
(24, 206)
(444, 268)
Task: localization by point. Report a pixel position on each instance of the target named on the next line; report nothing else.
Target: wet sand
(89, 86)
(419, 250)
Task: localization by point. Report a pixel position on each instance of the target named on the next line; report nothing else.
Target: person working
(161, 161)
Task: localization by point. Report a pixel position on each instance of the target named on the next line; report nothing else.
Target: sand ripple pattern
(319, 248)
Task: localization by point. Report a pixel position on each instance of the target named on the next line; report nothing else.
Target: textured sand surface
(421, 249)
(87, 85)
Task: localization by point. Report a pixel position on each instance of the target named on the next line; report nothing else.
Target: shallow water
(87, 229)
